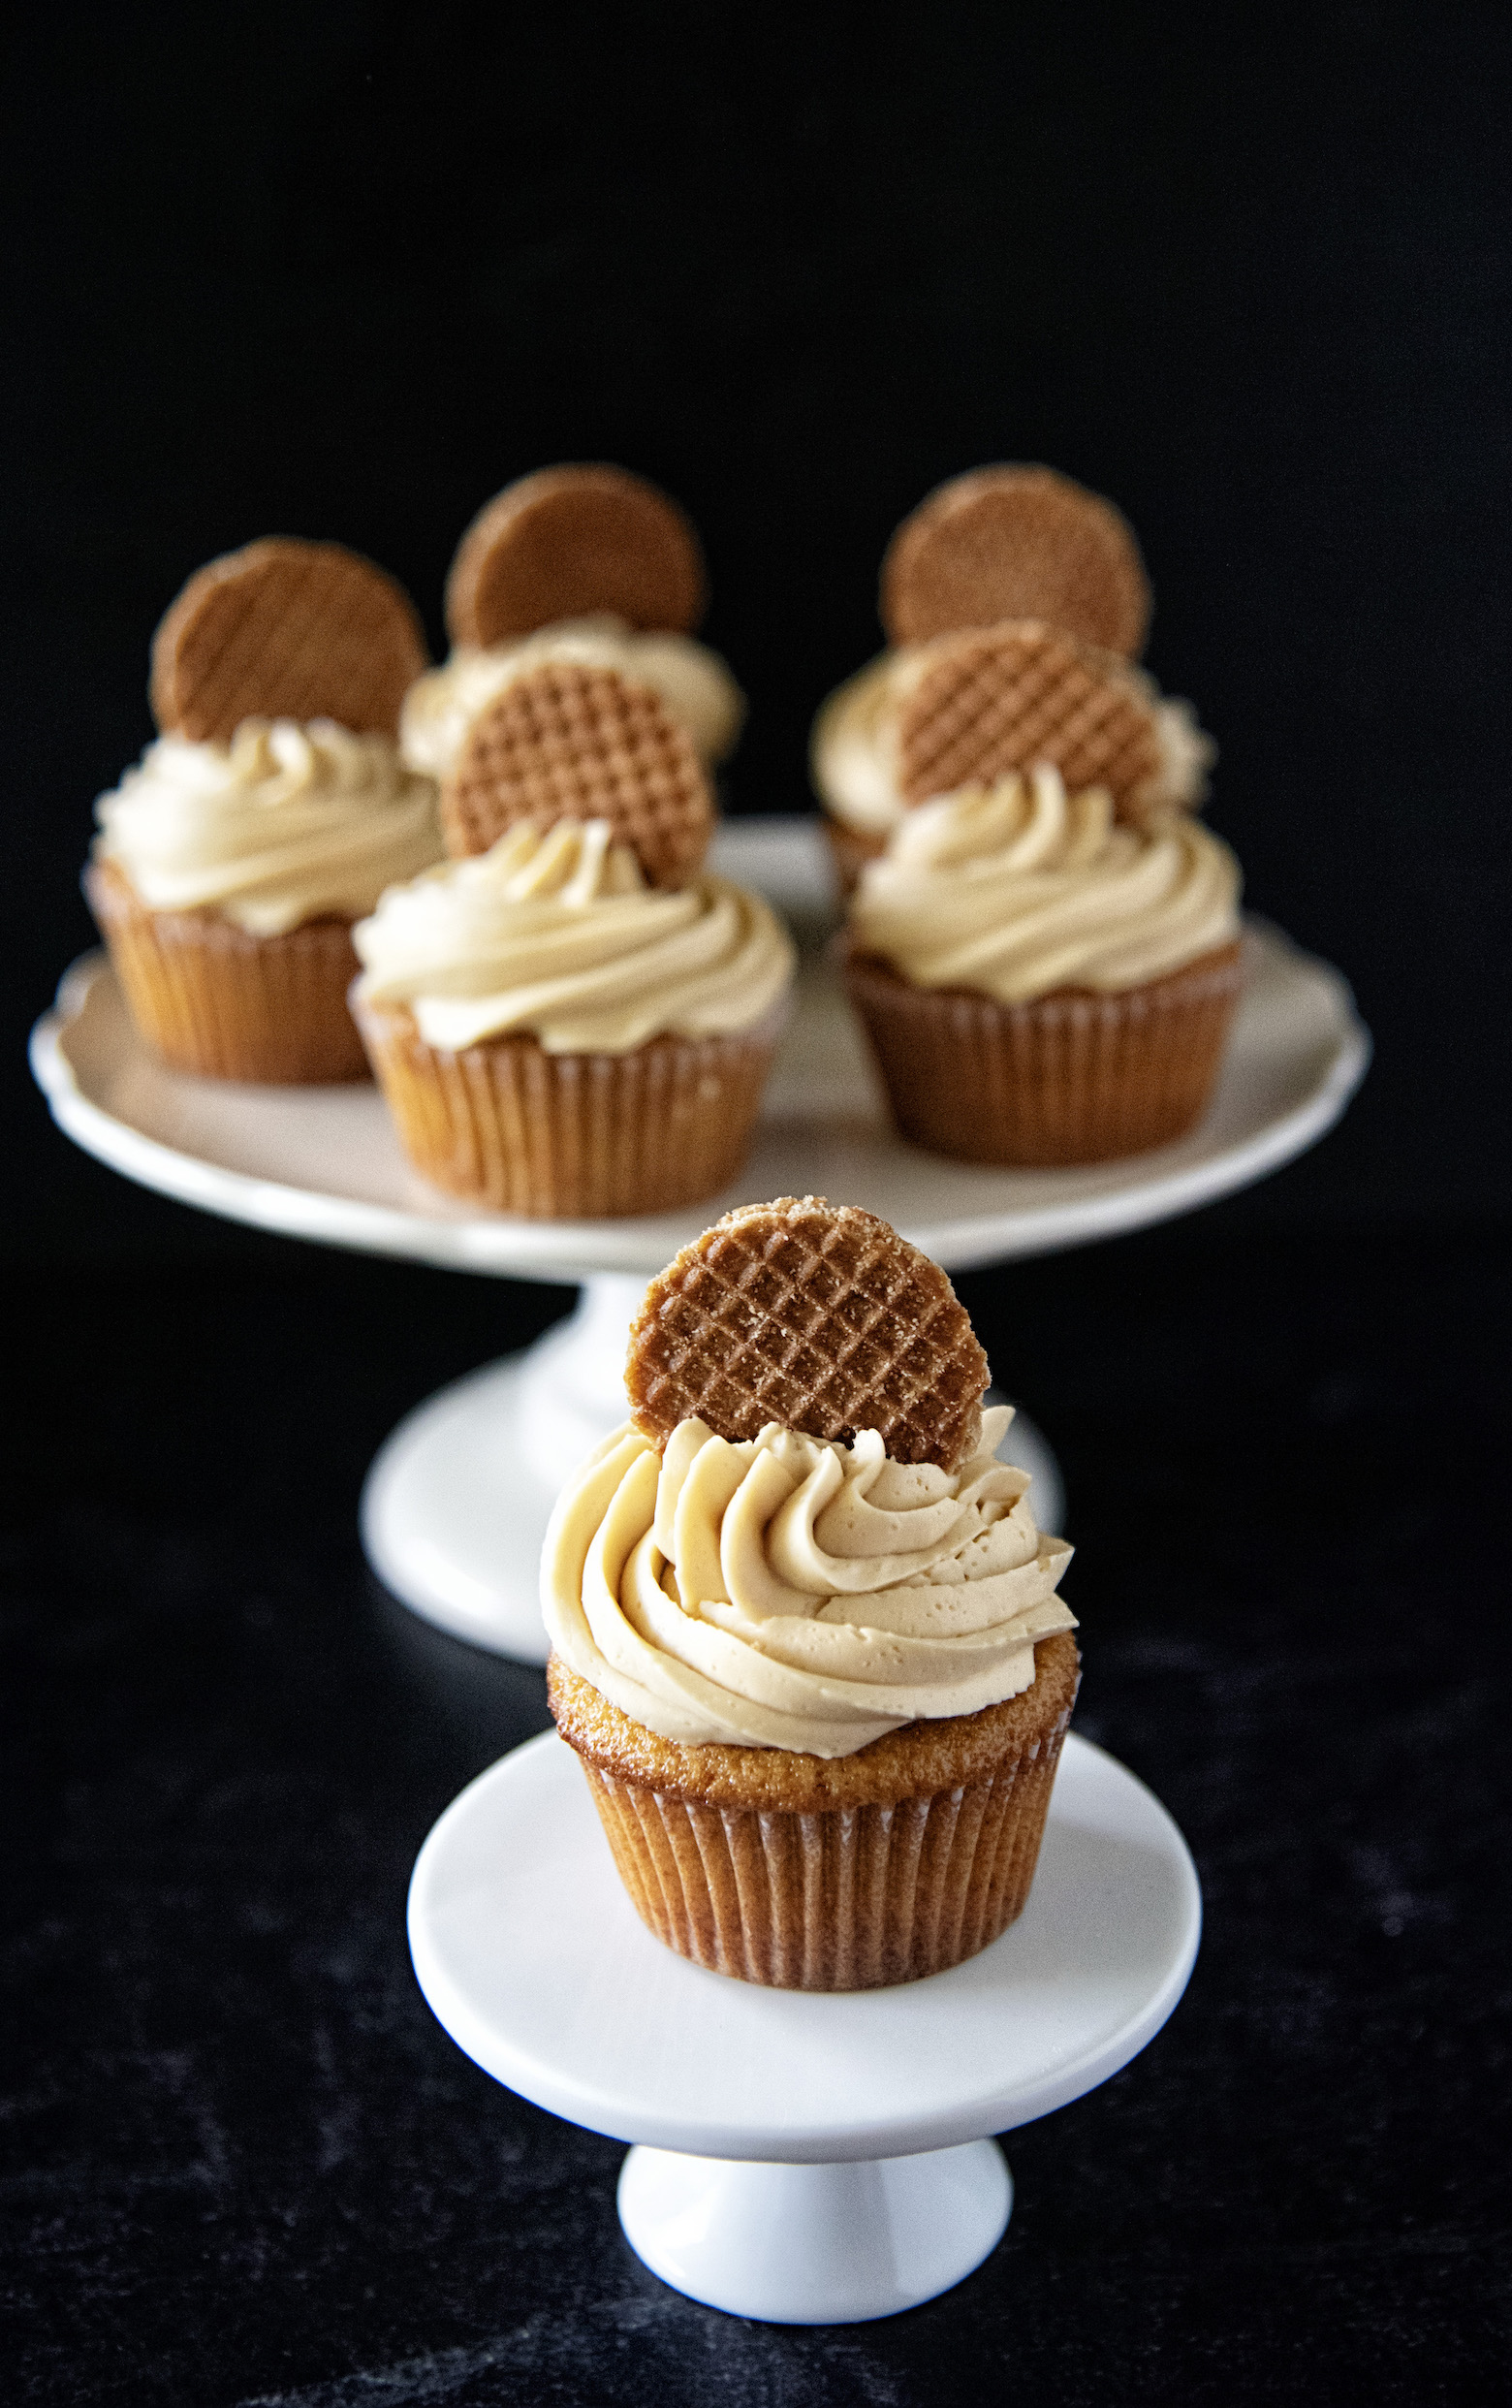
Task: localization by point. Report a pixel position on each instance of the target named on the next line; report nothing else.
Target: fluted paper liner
(846, 1896)
(1071, 1077)
(212, 998)
(572, 1136)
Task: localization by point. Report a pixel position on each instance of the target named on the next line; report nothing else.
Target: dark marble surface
(242, 2163)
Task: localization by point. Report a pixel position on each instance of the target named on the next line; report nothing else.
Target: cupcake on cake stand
(457, 1499)
(801, 2158)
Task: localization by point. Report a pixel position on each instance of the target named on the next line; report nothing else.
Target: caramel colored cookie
(286, 629)
(1005, 697)
(817, 1315)
(1015, 542)
(566, 742)
(566, 542)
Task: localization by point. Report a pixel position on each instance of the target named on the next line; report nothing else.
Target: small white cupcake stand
(457, 1501)
(798, 2158)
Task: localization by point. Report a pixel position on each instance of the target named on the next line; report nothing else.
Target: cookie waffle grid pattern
(568, 742)
(298, 632)
(1007, 701)
(823, 1319)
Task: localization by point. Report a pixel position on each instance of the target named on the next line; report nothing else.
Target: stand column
(815, 2244)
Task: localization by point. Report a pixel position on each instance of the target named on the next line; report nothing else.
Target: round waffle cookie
(1015, 542)
(568, 541)
(815, 1314)
(567, 742)
(286, 629)
(996, 699)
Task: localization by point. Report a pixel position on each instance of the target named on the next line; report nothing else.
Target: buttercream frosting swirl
(559, 935)
(286, 823)
(1016, 889)
(853, 753)
(788, 1593)
(693, 682)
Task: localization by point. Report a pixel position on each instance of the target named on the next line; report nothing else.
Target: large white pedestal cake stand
(457, 1501)
(798, 2158)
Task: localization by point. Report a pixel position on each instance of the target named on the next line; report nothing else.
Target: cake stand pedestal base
(457, 1503)
(816, 2244)
(800, 2156)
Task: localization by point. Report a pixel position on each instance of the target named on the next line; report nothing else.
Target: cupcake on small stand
(572, 1018)
(270, 815)
(582, 565)
(807, 1640)
(996, 547)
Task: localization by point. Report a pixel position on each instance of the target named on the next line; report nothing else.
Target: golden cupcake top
(815, 1584)
(694, 683)
(559, 935)
(1015, 601)
(284, 823)
(1019, 889)
(574, 568)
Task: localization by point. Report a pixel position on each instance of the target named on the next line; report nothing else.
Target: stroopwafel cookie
(1015, 542)
(814, 1314)
(566, 542)
(564, 740)
(996, 699)
(286, 629)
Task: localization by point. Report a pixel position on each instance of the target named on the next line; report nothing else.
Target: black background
(343, 270)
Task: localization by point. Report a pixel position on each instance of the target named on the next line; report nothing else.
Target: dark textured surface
(241, 2163)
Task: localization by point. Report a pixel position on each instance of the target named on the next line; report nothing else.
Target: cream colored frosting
(788, 1593)
(560, 935)
(285, 823)
(853, 753)
(1016, 889)
(693, 682)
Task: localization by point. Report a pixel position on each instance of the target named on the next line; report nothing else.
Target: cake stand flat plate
(325, 1162)
(532, 1957)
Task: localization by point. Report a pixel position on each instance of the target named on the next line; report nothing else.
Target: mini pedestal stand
(457, 1503)
(798, 2158)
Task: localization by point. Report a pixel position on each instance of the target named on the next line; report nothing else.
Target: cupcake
(1001, 547)
(805, 1636)
(1041, 982)
(573, 1018)
(585, 565)
(268, 815)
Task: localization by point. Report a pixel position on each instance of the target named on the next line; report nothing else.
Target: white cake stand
(456, 1501)
(798, 2158)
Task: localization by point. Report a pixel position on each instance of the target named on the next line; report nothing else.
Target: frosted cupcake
(807, 1640)
(1055, 570)
(232, 861)
(556, 1036)
(1040, 982)
(582, 565)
